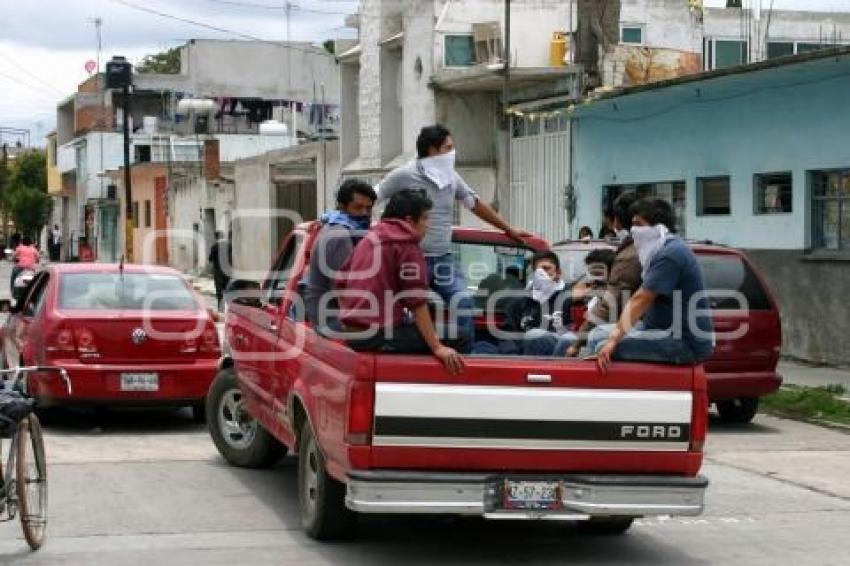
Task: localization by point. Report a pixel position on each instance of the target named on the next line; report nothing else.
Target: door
(540, 175)
(23, 342)
(293, 201)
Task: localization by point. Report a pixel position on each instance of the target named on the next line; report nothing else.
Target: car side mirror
(244, 292)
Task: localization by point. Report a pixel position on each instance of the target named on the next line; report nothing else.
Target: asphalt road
(149, 487)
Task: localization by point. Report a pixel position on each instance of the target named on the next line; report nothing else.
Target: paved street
(148, 487)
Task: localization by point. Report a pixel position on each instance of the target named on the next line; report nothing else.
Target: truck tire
(238, 436)
(606, 525)
(740, 410)
(321, 499)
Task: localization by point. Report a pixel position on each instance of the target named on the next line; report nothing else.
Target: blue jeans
(539, 342)
(446, 279)
(642, 345)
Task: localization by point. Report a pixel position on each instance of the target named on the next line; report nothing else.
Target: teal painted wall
(792, 118)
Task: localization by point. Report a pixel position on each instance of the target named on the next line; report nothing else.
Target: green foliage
(817, 403)
(164, 63)
(330, 46)
(23, 191)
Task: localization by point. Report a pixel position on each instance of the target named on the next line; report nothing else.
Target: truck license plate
(532, 494)
(139, 382)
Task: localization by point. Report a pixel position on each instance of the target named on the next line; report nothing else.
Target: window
(136, 214)
(275, 286)
(671, 191)
(459, 51)
(807, 47)
(725, 274)
(713, 196)
(127, 291)
(488, 269)
(729, 53)
(631, 34)
(779, 49)
(773, 193)
(831, 209)
(143, 153)
(147, 214)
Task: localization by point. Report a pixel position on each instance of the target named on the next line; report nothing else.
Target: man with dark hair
(387, 275)
(341, 229)
(434, 172)
(221, 259)
(667, 320)
(543, 314)
(623, 275)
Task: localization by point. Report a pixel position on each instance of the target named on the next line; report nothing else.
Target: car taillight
(189, 346)
(209, 340)
(361, 401)
(85, 341)
(61, 341)
(699, 411)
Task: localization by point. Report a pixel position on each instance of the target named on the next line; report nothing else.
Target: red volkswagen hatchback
(126, 334)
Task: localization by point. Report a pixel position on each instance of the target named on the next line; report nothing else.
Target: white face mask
(648, 241)
(543, 286)
(440, 168)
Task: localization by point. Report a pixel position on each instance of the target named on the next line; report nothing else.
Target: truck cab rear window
(128, 291)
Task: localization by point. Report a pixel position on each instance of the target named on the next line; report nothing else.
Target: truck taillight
(361, 401)
(699, 411)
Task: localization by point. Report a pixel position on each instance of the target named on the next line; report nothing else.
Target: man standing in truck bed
(434, 172)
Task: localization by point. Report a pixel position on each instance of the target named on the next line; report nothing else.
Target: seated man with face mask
(544, 313)
(668, 319)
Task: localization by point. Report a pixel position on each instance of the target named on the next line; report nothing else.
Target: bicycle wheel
(31, 469)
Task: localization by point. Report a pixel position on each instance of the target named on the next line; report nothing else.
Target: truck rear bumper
(580, 495)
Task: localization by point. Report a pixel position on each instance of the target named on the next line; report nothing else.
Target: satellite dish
(90, 66)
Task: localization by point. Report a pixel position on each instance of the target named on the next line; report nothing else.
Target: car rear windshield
(725, 274)
(128, 291)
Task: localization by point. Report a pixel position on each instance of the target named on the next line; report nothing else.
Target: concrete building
(273, 191)
(753, 157)
(242, 84)
(421, 62)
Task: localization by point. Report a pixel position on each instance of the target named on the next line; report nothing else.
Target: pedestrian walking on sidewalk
(221, 258)
(54, 243)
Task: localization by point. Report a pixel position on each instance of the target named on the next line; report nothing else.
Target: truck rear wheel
(237, 434)
(740, 410)
(321, 498)
(606, 525)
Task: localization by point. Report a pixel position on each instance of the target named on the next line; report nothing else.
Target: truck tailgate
(537, 414)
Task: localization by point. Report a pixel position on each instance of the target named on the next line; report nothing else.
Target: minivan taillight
(361, 402)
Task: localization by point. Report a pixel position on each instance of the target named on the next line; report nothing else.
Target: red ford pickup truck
(509, 438)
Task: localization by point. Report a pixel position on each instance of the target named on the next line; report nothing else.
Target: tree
(164, 63)
(25, 194)
(330, 46)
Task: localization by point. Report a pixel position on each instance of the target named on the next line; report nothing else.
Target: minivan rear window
(726, 273)
(127, 291)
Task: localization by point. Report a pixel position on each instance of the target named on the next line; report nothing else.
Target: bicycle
(23, 485)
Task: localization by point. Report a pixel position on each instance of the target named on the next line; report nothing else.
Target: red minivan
(126, 334)
(743, 368)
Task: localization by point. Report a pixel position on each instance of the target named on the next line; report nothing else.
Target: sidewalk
(794, 373)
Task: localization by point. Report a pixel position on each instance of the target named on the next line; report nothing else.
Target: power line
(212, 27)
(258, 6)
(35, 87)
(29, 73)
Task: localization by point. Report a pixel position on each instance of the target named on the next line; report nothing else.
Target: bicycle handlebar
(19, 370)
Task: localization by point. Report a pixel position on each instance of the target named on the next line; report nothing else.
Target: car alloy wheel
(237, 426)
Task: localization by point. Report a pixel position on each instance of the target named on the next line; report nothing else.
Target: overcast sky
(44, 44)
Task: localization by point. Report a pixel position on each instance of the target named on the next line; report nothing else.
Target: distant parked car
(743, 369)
(127, 335)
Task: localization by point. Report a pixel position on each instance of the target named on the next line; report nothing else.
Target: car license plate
(532, 494)
(139, 382)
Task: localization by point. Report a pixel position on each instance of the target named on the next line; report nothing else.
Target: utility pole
(508, 121)
(324, 152)
(119, 74)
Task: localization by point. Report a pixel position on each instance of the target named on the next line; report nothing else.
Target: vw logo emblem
(138, 336)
